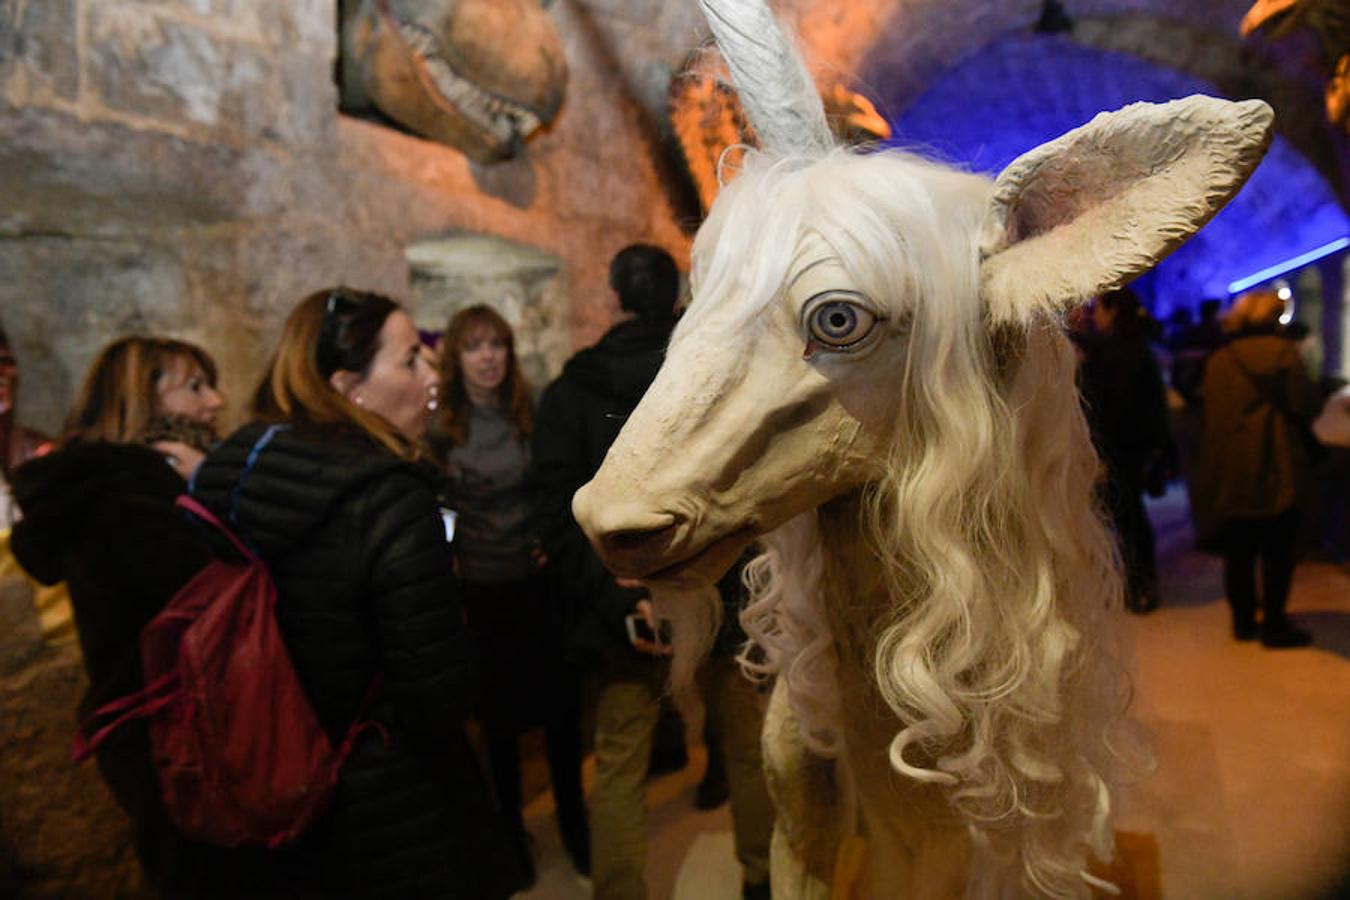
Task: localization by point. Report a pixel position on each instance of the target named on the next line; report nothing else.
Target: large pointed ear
(1091, 210)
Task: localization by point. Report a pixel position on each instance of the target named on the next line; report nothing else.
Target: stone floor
(1251, 798)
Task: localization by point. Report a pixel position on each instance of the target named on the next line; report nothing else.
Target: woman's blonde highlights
(120, 393)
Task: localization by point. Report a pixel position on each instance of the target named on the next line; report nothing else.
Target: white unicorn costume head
(873, 380)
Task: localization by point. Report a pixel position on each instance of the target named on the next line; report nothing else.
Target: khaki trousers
(626, 715)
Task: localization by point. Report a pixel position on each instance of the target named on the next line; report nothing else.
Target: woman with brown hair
(149, 390)
(327, 486)
(99, 515)
(481, 435)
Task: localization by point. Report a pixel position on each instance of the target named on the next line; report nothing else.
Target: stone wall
(180, 166)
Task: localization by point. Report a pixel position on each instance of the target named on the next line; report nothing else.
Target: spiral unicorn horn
(872, 380)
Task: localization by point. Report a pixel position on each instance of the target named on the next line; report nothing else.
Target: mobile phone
(638, 629)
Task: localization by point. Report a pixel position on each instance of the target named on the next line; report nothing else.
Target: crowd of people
(1235, 421)
(412, 505)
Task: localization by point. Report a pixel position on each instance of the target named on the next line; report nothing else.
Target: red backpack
(240, 754)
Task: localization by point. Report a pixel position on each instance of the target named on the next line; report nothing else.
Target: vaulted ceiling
(976, 83)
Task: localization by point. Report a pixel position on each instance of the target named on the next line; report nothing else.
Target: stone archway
(1030, 88)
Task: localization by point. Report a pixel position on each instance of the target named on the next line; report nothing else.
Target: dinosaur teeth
(527, 123)
(418, 38)
(497, 116)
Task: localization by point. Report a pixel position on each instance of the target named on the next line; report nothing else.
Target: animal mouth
(502, 120)
(701, 563)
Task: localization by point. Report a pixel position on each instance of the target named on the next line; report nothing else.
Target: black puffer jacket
(357, 548)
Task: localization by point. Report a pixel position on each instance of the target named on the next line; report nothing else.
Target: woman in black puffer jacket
(328, 488)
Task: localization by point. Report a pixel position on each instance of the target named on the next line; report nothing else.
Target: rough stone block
(58, 176)
(181, 75)
(308, 117)
(64, 299)
(308, 23)
(142, 64)
(38, 56)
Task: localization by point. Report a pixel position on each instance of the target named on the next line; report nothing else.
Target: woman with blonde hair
(1258, 398)
(328, 487)
(481, 435)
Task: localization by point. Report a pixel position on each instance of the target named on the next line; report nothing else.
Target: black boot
(761, 891)
(1281, 634)
(1244, 616)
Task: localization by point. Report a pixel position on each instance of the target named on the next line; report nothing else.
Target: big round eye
(839, 323)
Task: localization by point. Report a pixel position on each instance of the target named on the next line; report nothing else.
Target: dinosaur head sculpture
(477, 75)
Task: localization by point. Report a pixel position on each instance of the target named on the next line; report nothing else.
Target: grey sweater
(488, 491)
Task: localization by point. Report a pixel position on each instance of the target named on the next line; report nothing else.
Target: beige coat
(1258, 400)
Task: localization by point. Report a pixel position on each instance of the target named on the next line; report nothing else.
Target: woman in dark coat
(482, 433)
(99, 514)
(1258, 397)
(327, 487)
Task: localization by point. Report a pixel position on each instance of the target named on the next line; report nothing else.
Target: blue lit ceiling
(1027, 89)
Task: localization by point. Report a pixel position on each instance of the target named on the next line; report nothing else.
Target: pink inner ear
(1061, 192)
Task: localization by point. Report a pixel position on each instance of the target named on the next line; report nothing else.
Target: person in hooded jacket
(330, 487)
(99, 515)
(578, 418)
(1125, 403)
(1258, 400)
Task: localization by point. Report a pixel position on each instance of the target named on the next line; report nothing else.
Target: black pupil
(839, 320)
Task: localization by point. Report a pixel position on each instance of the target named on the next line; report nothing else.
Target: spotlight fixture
(1053, 20)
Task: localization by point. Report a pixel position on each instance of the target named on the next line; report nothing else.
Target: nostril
(637, 530)
(634, 538)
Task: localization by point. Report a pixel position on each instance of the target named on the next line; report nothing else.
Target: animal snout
(629, 537)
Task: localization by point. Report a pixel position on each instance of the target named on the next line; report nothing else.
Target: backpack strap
(249, 462)
(143, 703)
(205, 515)
(189, 503)
(363, 722)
